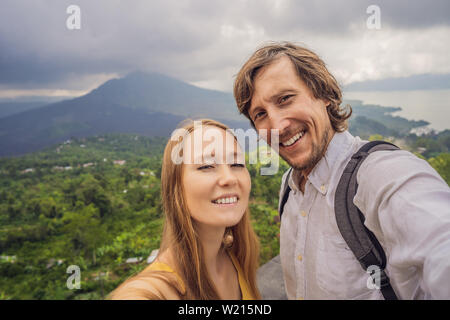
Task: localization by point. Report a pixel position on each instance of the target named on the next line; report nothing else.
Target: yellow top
(243, 284)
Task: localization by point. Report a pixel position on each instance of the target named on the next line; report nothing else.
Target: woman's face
(215, 179)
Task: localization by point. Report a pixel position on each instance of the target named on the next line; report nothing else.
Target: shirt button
(303, 213)
(323, 188)
(300, 258)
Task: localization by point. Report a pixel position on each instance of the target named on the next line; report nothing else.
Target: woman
(209, 249)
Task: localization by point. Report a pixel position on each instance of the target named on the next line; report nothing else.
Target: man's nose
(277, 120)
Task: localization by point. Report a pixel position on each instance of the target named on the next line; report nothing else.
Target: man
(405, 202)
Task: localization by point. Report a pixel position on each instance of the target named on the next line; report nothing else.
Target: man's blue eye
(259, 114)
(285, 98)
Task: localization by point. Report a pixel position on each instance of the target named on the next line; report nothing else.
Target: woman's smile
(226, 200)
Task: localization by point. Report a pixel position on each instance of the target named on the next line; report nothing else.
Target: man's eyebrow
(273, 98)
(282, 93)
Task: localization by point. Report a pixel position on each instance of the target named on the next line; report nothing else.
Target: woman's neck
(211, 239)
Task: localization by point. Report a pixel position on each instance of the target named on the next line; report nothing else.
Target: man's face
(282, 101)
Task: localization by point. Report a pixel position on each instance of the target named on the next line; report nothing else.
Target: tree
(83, 229)
(90, 191)
(441, 164)
(47, 206)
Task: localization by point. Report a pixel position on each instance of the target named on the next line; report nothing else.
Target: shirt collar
(338, 148)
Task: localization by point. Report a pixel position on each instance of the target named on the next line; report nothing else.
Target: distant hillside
(10, 108)
(368, 119)
(148, 104)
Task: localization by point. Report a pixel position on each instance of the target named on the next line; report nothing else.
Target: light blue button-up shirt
(406, 205)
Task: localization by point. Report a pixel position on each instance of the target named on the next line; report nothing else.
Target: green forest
(95, 203)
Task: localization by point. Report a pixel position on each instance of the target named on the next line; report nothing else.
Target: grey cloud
(36, 47)
(338, 17)
(180, 38)
(415, 14)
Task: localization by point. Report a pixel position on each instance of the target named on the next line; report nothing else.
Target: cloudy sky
(204, 42)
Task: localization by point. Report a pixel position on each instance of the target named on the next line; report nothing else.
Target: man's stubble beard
(318, 151)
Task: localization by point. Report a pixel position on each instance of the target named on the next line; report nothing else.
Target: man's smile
(293, 141)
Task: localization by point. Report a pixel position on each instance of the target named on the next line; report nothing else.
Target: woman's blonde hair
(180, 236)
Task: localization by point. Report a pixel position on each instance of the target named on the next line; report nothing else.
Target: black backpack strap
(285, 193)
(350, 219)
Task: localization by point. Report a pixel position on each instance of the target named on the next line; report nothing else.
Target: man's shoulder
(399, 172)
(394, 163)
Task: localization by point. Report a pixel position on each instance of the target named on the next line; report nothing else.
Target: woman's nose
(226, 175)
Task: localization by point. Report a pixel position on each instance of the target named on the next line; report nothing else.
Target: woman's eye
(205, 167)
(239, 165)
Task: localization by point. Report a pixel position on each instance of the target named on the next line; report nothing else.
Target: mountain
(159, 93)
(416, 82)
(148, 104)
(10, 108)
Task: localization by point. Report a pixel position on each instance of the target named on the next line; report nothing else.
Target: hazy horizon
(429, 105)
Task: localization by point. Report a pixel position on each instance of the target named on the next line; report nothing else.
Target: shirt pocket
(338, 272)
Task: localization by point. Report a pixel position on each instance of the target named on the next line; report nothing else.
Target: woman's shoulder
(156, 282)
